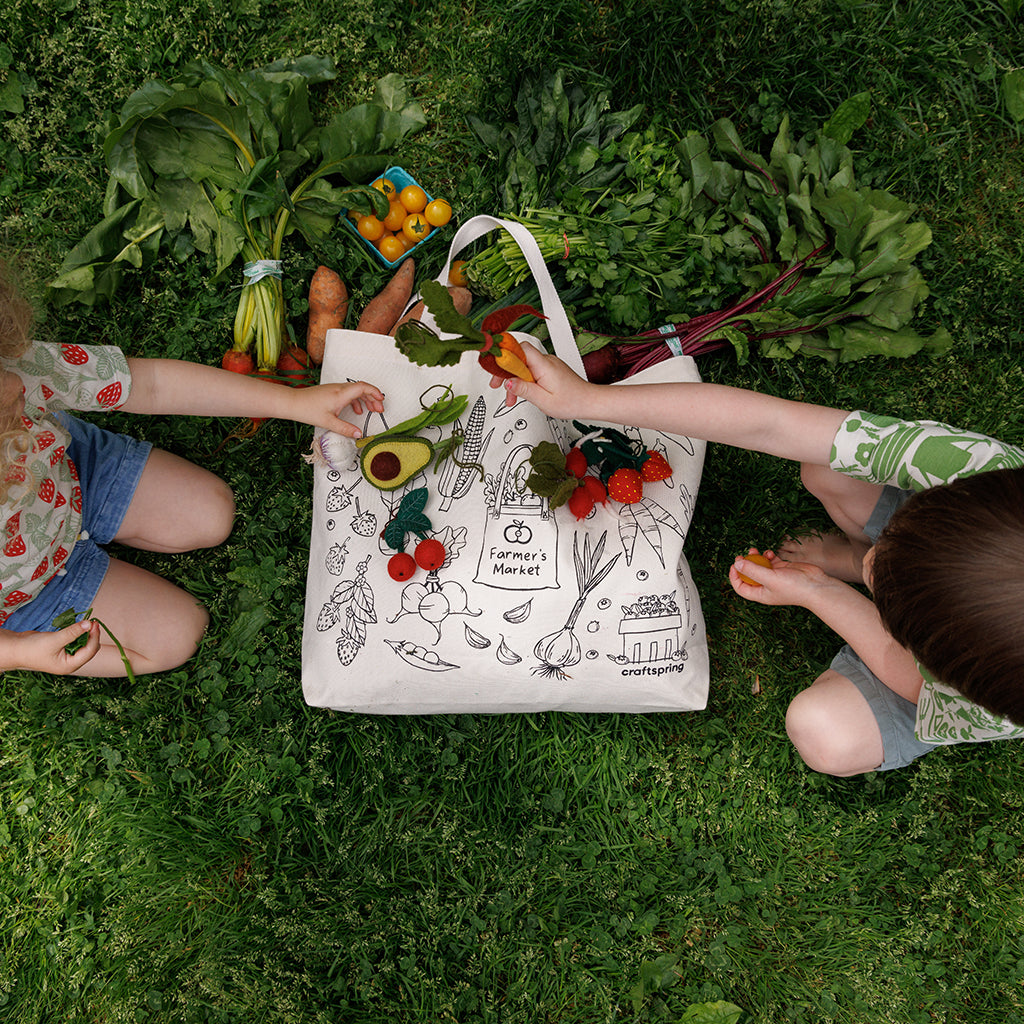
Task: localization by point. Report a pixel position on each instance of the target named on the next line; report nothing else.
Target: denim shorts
(896, 716)
(109, 468)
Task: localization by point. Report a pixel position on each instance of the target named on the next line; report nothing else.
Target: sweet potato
(328, 307)
(462, 298)
(386, 306)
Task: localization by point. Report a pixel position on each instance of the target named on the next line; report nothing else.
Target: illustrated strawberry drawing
(45, 438)
(47, 489)
(15, 547)
(76, 499)
(13, 525)
(110, 395)
(59, 500)
(60, 555)
(56, 455)
(74, 354)
(41, 568)
(15, 597)
(47, 392)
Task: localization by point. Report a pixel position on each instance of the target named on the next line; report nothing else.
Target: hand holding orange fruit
(757, 559)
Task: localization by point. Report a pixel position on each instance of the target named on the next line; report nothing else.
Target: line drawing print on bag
(519, 548)
(456, 480)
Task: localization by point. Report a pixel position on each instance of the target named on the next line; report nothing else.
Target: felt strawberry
(581, 503)
(626, 485)
(575, 462)
(74, 354)
(110, 395)
(655, 467)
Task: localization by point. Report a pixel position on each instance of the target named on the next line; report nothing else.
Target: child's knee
(815, 478)
(179, 643)
(827, 738)
(218, 515)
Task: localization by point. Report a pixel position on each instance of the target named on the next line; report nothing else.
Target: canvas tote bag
(531, 610)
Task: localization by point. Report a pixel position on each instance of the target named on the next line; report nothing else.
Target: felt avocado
(390, 461)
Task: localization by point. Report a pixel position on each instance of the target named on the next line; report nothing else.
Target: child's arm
(841, 607)
(174, 387)
(712, 412)
(44, 652)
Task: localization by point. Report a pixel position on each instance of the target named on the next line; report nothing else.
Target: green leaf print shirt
(42, 523)
(916, 455)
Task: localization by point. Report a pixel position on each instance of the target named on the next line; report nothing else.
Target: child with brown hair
(68, 487)
(931, 520)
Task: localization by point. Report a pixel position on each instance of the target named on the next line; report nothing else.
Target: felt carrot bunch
(498, 351)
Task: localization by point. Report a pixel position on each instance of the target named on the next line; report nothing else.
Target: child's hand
(44, 652)
(556, 390)
(321, 405)
(783, 583)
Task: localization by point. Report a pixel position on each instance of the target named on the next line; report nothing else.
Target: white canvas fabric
(532, 609)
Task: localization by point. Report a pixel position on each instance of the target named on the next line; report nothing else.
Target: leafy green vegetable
(778, 253)
(230, 164)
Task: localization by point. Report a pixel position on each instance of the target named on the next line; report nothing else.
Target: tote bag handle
(562, 338)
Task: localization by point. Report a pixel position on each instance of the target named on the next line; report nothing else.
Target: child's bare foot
(833, 553)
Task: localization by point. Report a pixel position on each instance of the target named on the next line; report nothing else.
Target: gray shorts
(895, 715)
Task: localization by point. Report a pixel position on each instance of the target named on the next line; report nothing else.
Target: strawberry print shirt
(916, 455)
(40, 528)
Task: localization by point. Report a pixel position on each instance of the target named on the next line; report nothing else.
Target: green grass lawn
(205, 847)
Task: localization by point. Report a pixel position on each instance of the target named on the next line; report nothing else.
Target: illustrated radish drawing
(434, 601)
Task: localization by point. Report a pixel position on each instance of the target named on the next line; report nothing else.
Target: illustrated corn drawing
(460, 470)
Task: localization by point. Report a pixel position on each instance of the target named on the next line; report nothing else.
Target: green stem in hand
(67, 618)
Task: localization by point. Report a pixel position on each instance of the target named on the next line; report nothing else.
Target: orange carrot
(386, 306)
(512, 358)
(328, 307)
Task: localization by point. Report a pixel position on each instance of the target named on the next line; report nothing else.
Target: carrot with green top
(503, 356)
(498, 351)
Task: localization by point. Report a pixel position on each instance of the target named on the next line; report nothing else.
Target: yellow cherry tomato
(370, 227)
(413, 198)
(457, 274)
(415, 227)
(387, 186)
(391, 247)
(438, 212)
(396, 216)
